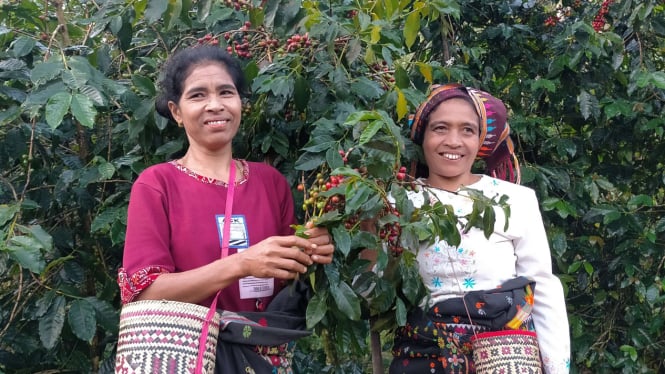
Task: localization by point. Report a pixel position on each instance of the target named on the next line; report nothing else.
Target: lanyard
(225, 252)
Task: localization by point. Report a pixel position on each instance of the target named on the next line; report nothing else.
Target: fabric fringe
(503, 164)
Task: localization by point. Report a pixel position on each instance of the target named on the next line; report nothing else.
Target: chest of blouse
(476, 263)
(196, 212)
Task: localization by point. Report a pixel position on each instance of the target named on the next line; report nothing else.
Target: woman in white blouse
(455, 126)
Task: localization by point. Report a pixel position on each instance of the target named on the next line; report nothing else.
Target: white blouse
(482, 264)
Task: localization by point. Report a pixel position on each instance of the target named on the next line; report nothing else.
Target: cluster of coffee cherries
(249, 41)
(390, 232)
(297, 42)
(562, 13)
(314, 202)
(292, 113)
(599, 22)
(246, 109)
(345, 155)
(208, 39)
(269, 42)
(241, 4)
(238, 43)
(551, 21)
(406, 180)
(383, 74)
(401, 174)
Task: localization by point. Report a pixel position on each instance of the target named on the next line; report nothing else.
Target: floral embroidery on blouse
(208, 180)
(469, 282)
(552, 366)
(131, 286)
(458, 262)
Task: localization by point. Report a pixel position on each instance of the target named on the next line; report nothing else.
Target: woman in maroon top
(176, 212)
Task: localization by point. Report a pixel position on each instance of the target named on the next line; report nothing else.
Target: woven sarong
(439, 341)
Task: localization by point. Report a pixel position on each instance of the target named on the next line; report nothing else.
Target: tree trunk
(375, 346)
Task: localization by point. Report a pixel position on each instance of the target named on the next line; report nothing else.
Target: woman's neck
(452, 184)
(212, 165)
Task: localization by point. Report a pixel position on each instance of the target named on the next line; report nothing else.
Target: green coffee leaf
(83, 110)
(316, 308)
(346, 300)
(50, 325)
(411, 28)
(342, 239)
(26, 250)
(56, 108)
(82, 321)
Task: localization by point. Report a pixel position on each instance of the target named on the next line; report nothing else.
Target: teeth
(451, 156)
(215, 122)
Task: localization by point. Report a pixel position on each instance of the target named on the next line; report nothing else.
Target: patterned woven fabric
(506, 352)
(160, 336)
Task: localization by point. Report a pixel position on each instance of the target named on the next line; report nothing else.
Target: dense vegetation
(332, 85)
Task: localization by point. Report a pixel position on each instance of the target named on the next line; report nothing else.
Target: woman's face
(450, 144)
(210, 107)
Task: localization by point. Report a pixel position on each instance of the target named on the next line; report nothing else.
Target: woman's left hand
(323, 253)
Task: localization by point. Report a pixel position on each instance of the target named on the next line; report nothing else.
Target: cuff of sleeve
(131, 286)
(556, 366)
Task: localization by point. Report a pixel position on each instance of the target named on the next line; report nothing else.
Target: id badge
(250, 287)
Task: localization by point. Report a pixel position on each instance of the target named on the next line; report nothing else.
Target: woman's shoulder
(518, 195)
(264, 174)
(264, 169)
(157, 171)
(157, 178)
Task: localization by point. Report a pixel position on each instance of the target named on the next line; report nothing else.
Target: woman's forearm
(194, 285)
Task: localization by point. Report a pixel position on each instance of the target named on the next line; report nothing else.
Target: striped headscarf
(496, 147)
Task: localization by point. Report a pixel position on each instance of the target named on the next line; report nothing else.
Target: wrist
(232, 268)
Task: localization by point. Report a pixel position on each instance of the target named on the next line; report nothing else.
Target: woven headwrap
(496, 147)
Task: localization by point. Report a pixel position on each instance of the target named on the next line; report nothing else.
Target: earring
(180, 124)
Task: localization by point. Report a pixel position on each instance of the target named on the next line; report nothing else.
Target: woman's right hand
(281, 257)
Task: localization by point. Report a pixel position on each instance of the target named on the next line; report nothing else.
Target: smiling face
(450, 144)
(210, 107)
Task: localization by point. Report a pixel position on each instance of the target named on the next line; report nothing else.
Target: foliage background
(583, 79)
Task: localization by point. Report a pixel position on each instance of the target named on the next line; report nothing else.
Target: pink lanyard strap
(229, 207)
(225, 252)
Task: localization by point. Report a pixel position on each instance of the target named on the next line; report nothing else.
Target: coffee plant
(332, 85)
